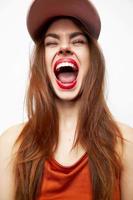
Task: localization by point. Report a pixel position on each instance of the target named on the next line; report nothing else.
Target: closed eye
(51, 43)
(78, 41)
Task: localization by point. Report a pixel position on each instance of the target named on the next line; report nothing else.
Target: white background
(116, 40)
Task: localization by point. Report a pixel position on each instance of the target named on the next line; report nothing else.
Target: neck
(68, 115)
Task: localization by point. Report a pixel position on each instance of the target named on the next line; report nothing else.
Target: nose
(65, 51)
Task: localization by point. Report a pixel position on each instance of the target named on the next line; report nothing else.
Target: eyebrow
(72, 35)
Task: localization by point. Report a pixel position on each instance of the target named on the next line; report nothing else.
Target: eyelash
(50, 43)
(78, 41)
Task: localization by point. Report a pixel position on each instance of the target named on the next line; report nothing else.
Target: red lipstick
(72, 81)
(66, 86)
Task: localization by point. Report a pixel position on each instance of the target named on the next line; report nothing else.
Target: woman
(71, 147)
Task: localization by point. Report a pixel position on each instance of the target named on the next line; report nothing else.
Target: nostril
(65, 51)
(68, 51)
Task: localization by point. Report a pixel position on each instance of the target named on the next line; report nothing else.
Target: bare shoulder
(7, 141)
(9, 136)
(127, 134)
(12, 132)
(127, 160)
(127, 131)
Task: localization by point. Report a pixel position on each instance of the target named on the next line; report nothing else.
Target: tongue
(67, 77)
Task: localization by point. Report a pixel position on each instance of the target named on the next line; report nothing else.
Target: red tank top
(68, 182)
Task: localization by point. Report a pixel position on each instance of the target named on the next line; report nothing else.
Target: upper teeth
(64, 64)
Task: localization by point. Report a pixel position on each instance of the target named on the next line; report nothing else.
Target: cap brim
(41, 11)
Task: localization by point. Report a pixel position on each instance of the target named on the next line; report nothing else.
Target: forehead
(63, 25)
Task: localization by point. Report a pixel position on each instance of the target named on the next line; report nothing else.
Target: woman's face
(67, 58)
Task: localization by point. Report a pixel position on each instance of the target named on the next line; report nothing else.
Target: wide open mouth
(66, 72)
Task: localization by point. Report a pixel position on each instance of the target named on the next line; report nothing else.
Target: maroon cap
(41, 11)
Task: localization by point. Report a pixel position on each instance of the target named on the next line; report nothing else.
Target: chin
(68, 96)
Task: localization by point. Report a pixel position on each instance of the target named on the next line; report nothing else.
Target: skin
(68, 111)
(78, 44)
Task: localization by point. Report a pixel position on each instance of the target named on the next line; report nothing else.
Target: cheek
(87, 59)
(49, 56)
(47, 62)
(84, 56)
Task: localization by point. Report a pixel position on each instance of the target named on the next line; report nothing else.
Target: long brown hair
(96, 129)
